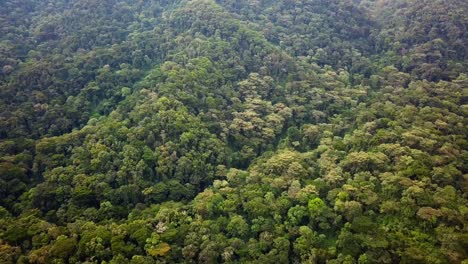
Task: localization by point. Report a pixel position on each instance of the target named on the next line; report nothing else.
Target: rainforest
(233, 131)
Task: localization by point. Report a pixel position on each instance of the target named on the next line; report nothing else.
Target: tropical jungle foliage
(233, 131)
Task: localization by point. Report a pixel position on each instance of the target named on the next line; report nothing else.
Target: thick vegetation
(202, 131)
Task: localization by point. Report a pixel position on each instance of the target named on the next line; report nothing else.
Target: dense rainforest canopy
(233, 131)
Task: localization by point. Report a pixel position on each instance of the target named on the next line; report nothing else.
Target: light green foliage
(316, 207)
(233, 131)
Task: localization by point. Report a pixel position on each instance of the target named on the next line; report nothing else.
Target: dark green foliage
(203, 131)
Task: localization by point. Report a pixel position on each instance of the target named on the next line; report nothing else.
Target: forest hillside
(233, 131)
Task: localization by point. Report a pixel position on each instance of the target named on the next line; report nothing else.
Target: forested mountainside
(233, 131)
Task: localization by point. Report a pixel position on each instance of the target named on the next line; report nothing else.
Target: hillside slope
(202, 131)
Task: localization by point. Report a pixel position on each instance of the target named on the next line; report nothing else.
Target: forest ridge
(233, 131)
